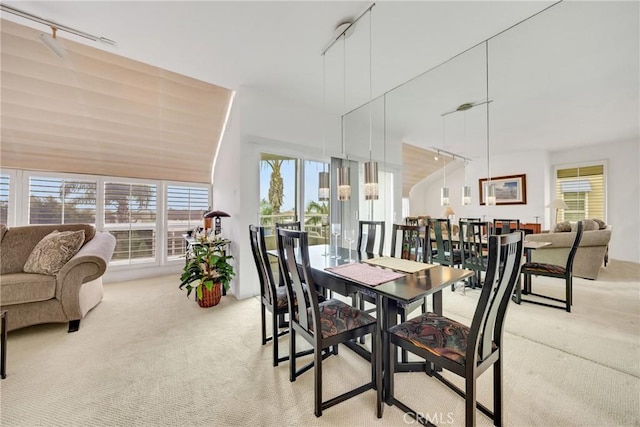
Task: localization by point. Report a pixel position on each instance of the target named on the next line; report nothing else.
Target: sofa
(591, 255)
(60, 296)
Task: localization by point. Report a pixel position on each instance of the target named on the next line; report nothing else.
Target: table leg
(390, 309)
(378, 346)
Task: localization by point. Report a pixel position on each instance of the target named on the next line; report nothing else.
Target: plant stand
(210, 297)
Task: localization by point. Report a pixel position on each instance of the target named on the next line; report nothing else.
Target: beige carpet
(147, 356)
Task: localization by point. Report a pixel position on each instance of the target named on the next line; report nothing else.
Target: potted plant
(207, 265)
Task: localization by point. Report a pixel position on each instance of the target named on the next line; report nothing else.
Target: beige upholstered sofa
(589, 257)
(67, 296)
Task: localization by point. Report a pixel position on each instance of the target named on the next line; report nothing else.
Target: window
(185, 208)
(278, 191)
(4, 198)
(315, 215)
(130, 215)
(55, 200)
(583, 190)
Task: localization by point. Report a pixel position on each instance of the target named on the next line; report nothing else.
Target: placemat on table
(364, 273)
(398, 264)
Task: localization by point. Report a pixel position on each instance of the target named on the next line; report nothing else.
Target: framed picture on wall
(510, 189)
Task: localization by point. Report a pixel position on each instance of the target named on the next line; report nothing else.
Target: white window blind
(583, 190)
(61, 201)
(185, 208)
(130, 212)
(4, 198)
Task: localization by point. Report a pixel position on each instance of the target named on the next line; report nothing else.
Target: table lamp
(558, 204)
(216, 216)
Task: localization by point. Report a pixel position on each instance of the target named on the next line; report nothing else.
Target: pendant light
(344, 186)
(371, 185)
(444, 191)
(491, 188)
(466, 190)
(323, 177)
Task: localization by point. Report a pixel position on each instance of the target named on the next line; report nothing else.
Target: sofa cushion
(601, 223)
(54, 251)
(20, 288)
(18, 243)
(587, 225)
(562, 227)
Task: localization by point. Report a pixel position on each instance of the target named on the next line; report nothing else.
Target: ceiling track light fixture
(55, 27)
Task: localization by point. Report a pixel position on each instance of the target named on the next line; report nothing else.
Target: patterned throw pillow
(53, 252)
(562, 227)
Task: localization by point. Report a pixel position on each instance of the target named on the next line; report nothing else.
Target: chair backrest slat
(574, 247)
(293, 256)
(503, 269)
(470, 235)
(370, 229)
(260, 257)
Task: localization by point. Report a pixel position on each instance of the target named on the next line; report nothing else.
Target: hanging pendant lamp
(371, 185)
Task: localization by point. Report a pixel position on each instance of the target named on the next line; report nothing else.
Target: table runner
(398, 264)
(364, 273)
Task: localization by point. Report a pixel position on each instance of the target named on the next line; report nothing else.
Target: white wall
(425, 196)
(260, 123)
(623, 190)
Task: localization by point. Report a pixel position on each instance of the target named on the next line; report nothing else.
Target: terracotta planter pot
(210, 297)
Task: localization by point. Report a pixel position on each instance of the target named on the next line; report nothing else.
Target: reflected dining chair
(467, 351)
(272, 298)
(505, 226)
(440, 233)
(550, 270)
(473, 249)
(368, 233)
(325, 324)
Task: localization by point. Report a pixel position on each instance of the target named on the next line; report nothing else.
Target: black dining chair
(473, 249)
(440, 234)
(289, 225)
(467, 351)
(370, 232)
(550, 270)
(272, 298)
(324, 325)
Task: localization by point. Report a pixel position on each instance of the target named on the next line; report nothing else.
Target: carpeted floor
(147, 356)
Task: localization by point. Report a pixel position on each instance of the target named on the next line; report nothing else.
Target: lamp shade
(371, 186)
(558, 204)
(344, 187)
(323, 186)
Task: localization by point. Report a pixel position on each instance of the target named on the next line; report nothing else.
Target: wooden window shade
(98, 113)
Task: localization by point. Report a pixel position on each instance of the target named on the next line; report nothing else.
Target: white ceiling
(565, 78)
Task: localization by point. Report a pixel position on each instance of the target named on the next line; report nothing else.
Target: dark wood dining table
(411, 287)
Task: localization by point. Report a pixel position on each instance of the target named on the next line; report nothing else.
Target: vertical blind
(583, 190)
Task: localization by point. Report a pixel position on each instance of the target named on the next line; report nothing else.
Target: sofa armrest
(88, 264)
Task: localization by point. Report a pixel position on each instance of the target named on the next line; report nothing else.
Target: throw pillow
(601, 224)
(53, 252)
(562, 227)
(587, 225)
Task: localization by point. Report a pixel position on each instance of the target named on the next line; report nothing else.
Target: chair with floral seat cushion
(273, 298)
(551, 270)
(467, 351)
(336, 321)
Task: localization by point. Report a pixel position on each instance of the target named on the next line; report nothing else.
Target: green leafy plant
(207, 265)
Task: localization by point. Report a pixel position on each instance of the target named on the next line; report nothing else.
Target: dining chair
(440, 234)
(289, 225)
(467, 351)
(473, 249)
(505, 226)
(368, 233)
(551, 270)
(272, 298)
(324, 325)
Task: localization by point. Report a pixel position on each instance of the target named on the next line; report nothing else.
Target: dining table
(393, 282)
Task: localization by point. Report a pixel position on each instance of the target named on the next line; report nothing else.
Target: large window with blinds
(130, 212)
(583, 190)
(186, 206)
